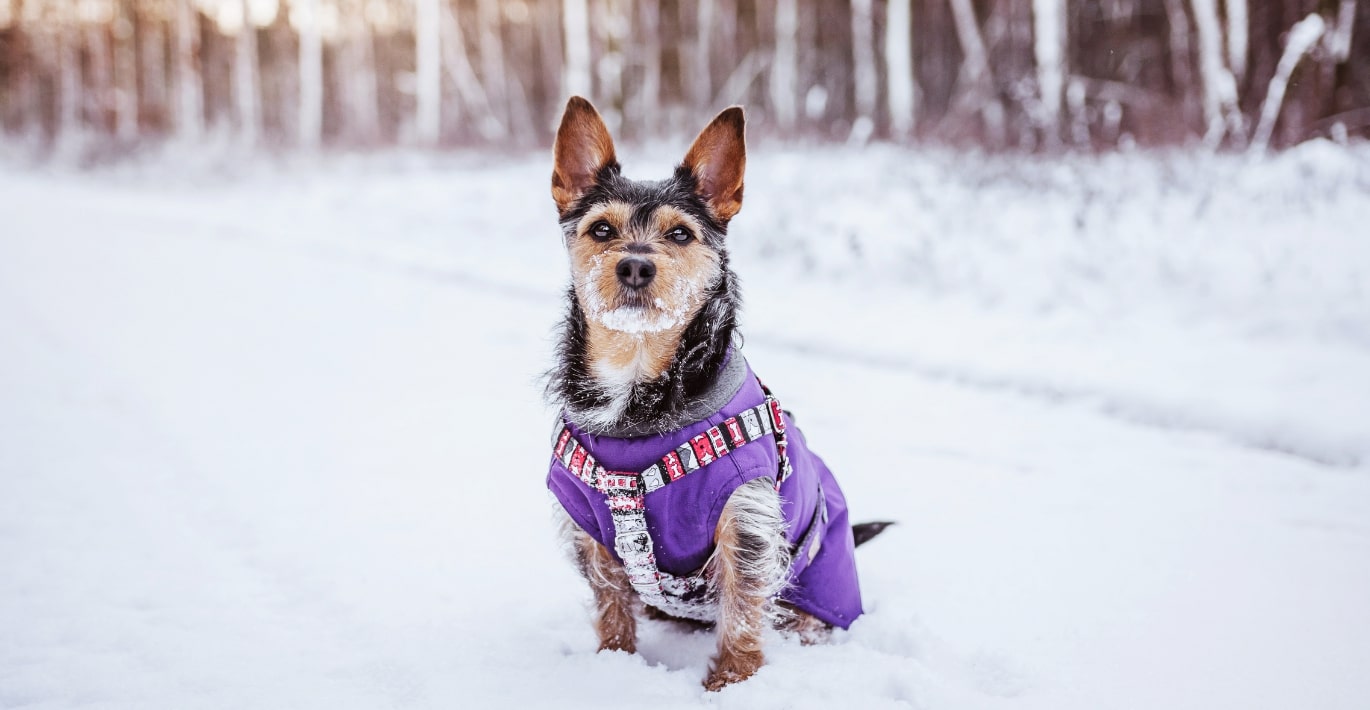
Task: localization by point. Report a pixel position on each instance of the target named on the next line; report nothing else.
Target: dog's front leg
(749, 567)
(615, 621)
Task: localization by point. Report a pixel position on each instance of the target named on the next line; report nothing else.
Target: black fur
(704, 343)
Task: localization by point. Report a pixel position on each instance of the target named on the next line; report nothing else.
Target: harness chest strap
(625, 493)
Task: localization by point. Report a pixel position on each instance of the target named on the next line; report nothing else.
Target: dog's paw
(616, 643)
(732, 668)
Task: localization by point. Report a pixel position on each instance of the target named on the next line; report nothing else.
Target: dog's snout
(635, 272)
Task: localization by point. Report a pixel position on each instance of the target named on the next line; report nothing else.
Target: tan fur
(676, 294)
(744, 595)
(615, 600)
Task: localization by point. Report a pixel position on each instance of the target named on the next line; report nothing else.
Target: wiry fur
(615, 600)
(637, 374)
(747, 571)
(655, 404)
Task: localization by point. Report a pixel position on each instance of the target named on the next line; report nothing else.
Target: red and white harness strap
(625, 492)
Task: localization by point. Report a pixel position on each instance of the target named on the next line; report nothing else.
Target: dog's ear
(583, 148)
(717, 160)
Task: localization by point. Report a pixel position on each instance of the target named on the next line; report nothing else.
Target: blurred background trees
(111, 75)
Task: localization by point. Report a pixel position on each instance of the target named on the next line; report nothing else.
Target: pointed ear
(717, 159)
(583, 148)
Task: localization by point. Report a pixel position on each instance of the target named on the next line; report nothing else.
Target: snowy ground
(273, 438)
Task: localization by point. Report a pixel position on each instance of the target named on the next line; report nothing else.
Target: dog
(684, 488)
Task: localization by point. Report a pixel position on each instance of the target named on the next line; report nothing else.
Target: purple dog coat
(664, 533)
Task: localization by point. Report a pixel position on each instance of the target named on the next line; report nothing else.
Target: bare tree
(190, 107)
(576, 20)
(1219, 87)
(311, 76)
(978, 94)
(899, 68)
(491, 50)
(1049, 49)
(125, 72)
(702, 84)
(865, 82)
(784, 72)
(246, 83)
(427, 53)
(1302, 37)
(357, 80)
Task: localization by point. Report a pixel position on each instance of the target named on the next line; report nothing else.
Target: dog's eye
(680, 235)
(601, 231)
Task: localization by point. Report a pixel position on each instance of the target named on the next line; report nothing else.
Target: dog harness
(659, 519)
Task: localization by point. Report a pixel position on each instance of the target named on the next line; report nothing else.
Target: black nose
(635, 272)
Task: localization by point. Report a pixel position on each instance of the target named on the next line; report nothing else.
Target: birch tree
(491, 49)
(576, 21)
(864, 79)
(1302, 37)
(357, 77)
(899, 68)
(1237, 33)
(784, 87)
(190, 109)
(311, 76)
(69, 78)
(428, 89)
(1049, 49)
(246, 81)
(978, 92)
(1218, 87)
(125, 72)
(701, 73)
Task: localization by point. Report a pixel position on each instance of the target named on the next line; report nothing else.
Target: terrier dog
(685, 486)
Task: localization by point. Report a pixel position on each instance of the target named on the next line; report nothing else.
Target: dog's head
(645, 255)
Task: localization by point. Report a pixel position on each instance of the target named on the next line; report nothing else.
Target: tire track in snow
(1131, 412)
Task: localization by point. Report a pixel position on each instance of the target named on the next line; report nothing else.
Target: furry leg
(749, 567)
(809, 628)
(615, 622)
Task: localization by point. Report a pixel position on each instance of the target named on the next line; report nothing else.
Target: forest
(112, 76)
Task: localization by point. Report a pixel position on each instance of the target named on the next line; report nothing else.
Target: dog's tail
(864, 532)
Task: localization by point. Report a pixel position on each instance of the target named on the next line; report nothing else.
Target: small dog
(684, 484)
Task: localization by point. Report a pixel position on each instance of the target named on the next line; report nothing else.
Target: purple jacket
(682, 517)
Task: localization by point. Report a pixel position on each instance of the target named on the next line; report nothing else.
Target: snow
(271, 436)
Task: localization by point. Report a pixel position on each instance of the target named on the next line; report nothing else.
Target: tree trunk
(1302, 37)
(491, 49)
(649, 45)
(190, 95)
(69, 79)
(428, 75)
(784, 87)
(702, 84)
(311, 76)
(1219, 89)
(1237, 34)
(99, 90)
(900, 88)
(864, 78)
(575, 18)
(978, 93)
(246, 80)
(125, 73)
(1049, 49)
(358, 80)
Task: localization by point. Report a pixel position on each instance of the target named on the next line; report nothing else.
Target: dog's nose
(635, 272)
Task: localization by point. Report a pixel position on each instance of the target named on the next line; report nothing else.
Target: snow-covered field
(272, 437)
